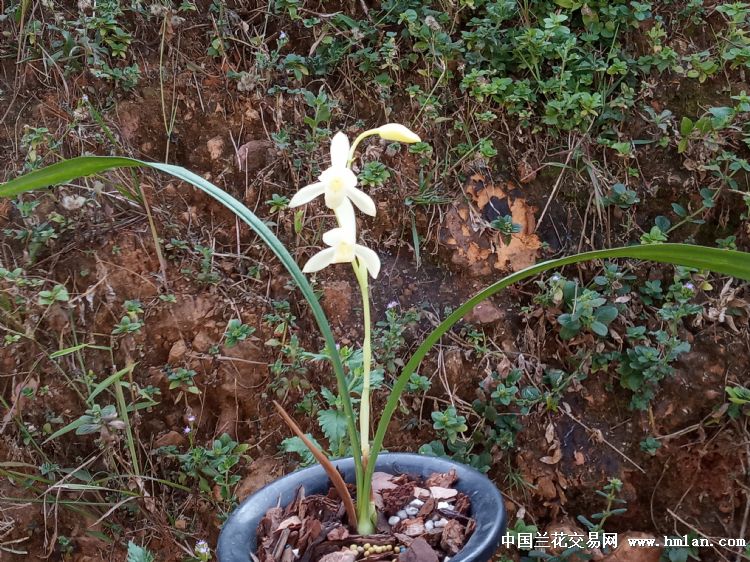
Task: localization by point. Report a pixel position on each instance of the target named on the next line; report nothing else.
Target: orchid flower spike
(343, 249)
(337, 183)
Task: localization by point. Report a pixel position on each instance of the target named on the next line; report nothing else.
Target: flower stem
(364, 525)
(365, 505)
(366, 515)
(359, 139)
(364, 407)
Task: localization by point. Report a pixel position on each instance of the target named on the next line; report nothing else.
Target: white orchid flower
(337, 183)
(343, 249)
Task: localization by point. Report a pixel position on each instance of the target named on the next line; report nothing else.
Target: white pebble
(429, 526)
(395, 520)
(411, 511)
(402, 515)
(444, 505)
(441, 523)
(417, 503)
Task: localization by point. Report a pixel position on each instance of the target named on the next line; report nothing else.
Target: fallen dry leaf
(554, 459)
(549, 434)
(481, 250)
(485, 313)
(215, 147)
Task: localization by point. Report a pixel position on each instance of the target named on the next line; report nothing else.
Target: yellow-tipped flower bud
(396, 132)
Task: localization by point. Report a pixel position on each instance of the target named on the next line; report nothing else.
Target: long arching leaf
(74, 168)
(728, 262)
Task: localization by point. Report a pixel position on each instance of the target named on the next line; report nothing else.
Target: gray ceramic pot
(237, 538)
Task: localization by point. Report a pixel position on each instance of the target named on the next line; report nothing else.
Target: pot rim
(237, 538)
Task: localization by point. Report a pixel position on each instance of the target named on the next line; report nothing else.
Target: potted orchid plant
(338, 186)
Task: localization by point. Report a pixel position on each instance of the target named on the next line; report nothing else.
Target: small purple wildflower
(186, 430)
(392, 304)
(191, 418)
(689, 286)
(201, 547)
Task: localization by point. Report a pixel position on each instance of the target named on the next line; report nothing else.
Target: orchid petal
(322, 259)
(362, 200)
(334, 199)
(369, 258)
(343, 175)
(336, 236)
(307, 194)
(344, 252)
(339, 150)
(346, 219)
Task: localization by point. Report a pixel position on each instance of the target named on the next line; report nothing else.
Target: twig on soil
(5, 546)
(168, 121)
(365, 9)
(599, 435)
(333, 474)
(523, 508)
(657, 487)
(743, 528)
(154, 235)
(50, 543)
(697, 532)
(226, 358)
(10, 106)
(598, 195)
(112, 509)
(320, 14)
(679, 432)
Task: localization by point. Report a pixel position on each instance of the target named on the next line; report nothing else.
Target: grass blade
(75, 424)
(115, 377)
(73, 349)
